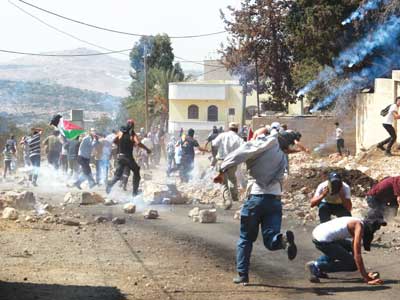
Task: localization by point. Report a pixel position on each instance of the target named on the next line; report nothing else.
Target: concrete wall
(317, 131)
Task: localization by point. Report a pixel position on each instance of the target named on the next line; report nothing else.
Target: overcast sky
(21, 32)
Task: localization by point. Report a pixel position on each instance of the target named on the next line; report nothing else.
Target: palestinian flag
(68, 129)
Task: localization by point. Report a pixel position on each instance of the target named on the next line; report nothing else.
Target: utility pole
(146, 96)
(257, 86)
(244, 100)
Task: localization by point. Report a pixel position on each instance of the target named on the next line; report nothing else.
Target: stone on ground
(130, 208)
(194, 212)
(101, 219)
(20, 200)
(208, 216)
(10, 213)
(83, 198)
(118, 220)
(151, 214)
(69, 222)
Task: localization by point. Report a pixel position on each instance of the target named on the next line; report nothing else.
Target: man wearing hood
(340, 241)
(126, 139)
(266, 163)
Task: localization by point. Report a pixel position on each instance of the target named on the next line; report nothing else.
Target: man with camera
(332, 198)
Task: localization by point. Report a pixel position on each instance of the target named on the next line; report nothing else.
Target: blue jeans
(326, 210)
(264, 210)
(338, 256)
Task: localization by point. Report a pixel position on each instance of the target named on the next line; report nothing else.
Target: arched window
(212, 113)
(193, 112)
(251, 111)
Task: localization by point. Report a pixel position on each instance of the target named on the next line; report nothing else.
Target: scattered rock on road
(20, 200)
(109, 202)
(101, 219)
(151, 214)
(10, 213)
(69, 222)
(83, 198)
(130, 208)
(194, 212)
(208, 216)
(118, 220)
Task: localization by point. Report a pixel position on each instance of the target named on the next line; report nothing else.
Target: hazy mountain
(102, 73)
(27, 102)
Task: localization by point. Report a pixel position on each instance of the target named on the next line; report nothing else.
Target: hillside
(30, 101)
(103, 73)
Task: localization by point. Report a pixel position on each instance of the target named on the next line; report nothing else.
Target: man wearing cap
(266, 163)
(332, 198)
(340, 242)
(84, 154)
(126, 139)
(383, 196)
(226, 143)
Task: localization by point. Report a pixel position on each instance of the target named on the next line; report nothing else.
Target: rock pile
(19, 200)
(151, 214)
(163, 194)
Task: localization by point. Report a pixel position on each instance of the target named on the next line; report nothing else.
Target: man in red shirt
(384, 195)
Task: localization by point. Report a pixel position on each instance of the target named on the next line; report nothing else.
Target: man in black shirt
(126, 139)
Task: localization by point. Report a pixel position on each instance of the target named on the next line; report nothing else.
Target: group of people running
(265, 155)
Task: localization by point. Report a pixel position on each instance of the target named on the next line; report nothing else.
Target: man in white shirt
(388, 125)
(332, 198)
(340, 242)
(339, 139)
(226, 143)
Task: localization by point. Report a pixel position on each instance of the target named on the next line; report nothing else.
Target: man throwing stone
(266, 163)
(126, 139)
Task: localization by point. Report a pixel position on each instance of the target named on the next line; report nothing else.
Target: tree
(257, 40)
(161, 71)
(104, 124)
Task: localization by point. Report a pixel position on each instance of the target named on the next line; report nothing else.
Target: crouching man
(266, 162)
(332, 198)
(340, 253)
(384, 198)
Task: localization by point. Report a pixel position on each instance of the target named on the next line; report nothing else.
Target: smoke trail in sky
(384, 35)
(359, 13)
(380, 66)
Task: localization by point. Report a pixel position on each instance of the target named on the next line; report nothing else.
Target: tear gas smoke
(384, 36)
(380, 66)
(360, 13)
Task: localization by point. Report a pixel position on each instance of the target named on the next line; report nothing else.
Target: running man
(266, 163)
(126, 139)
(388, 125)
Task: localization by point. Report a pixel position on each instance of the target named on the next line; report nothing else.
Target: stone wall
(317, 131)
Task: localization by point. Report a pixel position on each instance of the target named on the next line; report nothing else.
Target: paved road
(272, 269)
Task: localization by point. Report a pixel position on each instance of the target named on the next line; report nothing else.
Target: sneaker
(92, 185)
(381, 147)
(77, 185)
(314, 272)
(242, 278)
(289, 245)
(108, 189)
(388, 153)
(34, 183)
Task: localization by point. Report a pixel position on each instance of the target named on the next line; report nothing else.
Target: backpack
(385, 111)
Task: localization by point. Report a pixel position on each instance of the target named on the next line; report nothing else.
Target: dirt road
(168, 258)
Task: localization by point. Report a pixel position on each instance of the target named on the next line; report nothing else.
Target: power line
(117, 31)
(63, 55)
(61, 31)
